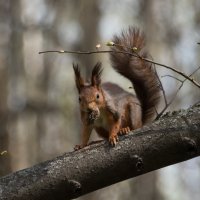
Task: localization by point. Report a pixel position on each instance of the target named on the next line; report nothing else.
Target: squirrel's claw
(113, 140)
(124, 131)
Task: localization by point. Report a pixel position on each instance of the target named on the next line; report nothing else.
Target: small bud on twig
(110, 43)
(134, 49)
(98, 46)
(3, 152)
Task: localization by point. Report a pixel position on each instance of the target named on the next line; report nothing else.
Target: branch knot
(190, 145)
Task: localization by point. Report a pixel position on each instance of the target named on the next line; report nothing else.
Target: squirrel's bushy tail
(141, 73)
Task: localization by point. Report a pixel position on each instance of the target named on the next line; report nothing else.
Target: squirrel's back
(140, 72)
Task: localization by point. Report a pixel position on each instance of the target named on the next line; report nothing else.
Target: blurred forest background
(39, 116)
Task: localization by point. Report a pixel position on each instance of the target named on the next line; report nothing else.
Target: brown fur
(139, 72)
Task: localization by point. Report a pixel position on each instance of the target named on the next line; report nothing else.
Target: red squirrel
(108, 108)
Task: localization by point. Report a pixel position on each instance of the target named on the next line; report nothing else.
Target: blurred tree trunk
(5, 164)
(16, 57)
(48, 43)
(89, 21)
(17, 97)
(11, 72)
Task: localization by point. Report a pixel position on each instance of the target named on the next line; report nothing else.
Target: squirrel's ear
(79, 80)
(96, 75)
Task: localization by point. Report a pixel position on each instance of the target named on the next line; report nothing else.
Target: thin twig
(175, 70)
(131, 54)
(79, 52)
(169, 103)
(161, 85)
(179, 88)
(172, 77)
(3, 152)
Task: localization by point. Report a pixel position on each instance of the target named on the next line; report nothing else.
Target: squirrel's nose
(89, 110)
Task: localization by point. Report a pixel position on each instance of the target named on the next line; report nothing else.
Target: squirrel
(108, 108)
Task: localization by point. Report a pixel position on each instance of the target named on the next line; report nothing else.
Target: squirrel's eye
(97, 96)
(79, 99)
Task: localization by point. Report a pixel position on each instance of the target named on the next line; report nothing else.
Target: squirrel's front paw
(113, 139)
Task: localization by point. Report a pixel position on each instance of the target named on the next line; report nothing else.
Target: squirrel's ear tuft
(96, 75)
(79, 80)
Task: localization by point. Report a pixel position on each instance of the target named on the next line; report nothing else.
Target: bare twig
(161, 87)
(179, 88)
(175, 70)
(3, 153)
(131, 54)
(172, 77)
(170, 102)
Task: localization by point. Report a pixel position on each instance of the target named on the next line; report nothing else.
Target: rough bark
(172, 139)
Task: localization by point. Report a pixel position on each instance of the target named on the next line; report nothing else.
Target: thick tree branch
(172, 139)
